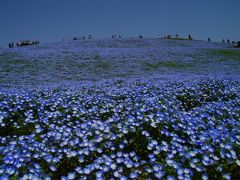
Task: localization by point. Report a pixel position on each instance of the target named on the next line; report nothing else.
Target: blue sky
(52, 20)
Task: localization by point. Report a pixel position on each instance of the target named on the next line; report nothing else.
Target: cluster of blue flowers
(180, 130)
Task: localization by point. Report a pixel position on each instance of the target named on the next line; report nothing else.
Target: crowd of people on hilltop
(81, 38)
(163, 36)
(23, 43)
(236, 44)
(228, 41)
(115, 36)
(169, 36)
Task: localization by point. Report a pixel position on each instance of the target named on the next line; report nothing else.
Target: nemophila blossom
(116, 174)
(205, 176)
(86, 171)
(133, 175)
(148, 129)
(63, 178)
(123, 178)
(47, 178)
(171, 178)
(159, 174)
(226, 176)
(71, 175)
(53, 168)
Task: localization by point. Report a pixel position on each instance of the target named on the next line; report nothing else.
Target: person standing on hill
(190, 37)
(10, 45)
(209, 40)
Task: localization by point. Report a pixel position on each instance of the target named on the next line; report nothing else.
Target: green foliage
(97, 57)
(158, 64)
(103, 65)
(226, 54)
(66, 165)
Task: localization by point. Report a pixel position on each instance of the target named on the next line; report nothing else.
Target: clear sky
(53, 20)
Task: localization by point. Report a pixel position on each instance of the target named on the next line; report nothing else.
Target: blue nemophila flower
(71, 175)
(64, 178)
(205, 176)
(119, 160)
(123, 178)
(128, 163)
(53, 168)
(159, 174)
(133, 175)
(170, 178)
(47, 178)
(86, 170)
(116, 174)
(206, 160)
(80, 127)
(226, 176)
(10, 170)
(113, 166)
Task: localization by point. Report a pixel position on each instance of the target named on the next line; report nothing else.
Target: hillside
(120, 109)
(94, 60)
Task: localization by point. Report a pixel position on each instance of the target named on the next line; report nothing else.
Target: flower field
(122, 130)
(120, 109)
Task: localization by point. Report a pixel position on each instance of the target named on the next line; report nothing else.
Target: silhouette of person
(209, 40)
(189, 37)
